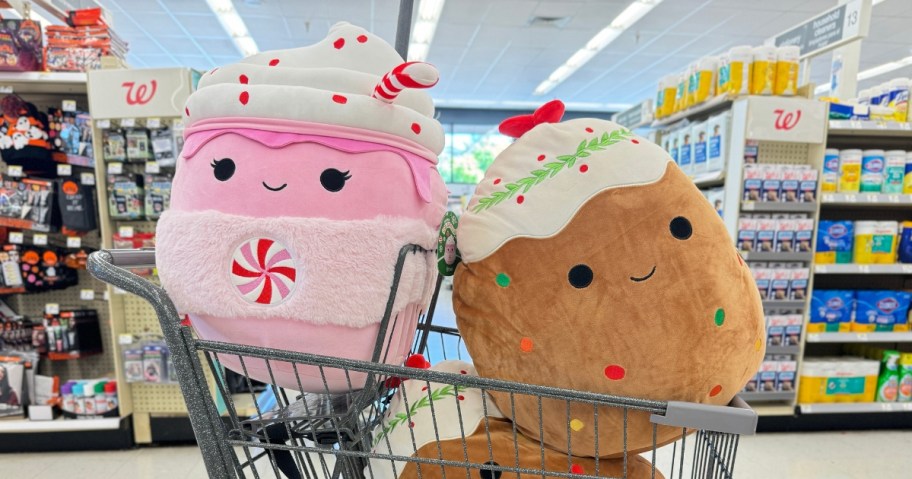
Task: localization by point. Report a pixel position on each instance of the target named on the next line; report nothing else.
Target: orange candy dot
(715, 390)
(525, 345)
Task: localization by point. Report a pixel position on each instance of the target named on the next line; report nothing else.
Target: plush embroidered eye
(334, 180)
(580, 276)
(223, 169)
(680, 228)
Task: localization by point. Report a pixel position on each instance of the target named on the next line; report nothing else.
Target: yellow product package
(763, 70)
(787, 71)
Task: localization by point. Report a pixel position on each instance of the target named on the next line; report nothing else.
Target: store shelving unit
(49, 89)
(776, 256)
(703, 110)
(853, 268)
(886, 337)
(866, 200)
(854, 407)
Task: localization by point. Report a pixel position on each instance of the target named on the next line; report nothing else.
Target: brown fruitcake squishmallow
(591, 262)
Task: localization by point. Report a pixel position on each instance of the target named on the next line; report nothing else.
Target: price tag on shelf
(106, 296)
(862, 337)
(40, 239)
(851, 198)
(51, 308)
(125, 231)
(152, 167)
(820, 268)
(87, 178)
(863, 268)
(103, 124)
(153, 122)
(16, 237)
(87, 294)
(64, 170)
(115, 168)
(124, 339)
(128, 122)
(6, 89)
(74, 242)
(14, 170)
(907, 269)
(68, 105)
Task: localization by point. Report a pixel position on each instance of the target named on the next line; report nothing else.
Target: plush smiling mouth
(643, 278)
(280, 188)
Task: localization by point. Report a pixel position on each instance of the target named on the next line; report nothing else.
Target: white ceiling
(487, 52)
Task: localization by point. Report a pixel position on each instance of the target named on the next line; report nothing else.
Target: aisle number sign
(831, 29)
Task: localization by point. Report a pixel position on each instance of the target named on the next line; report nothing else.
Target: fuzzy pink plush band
(344, 269)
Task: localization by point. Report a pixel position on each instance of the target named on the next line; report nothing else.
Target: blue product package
(831, 310)
(699, 150)
(905, 243)
(684, 155)
(879, 310)
(834, 242)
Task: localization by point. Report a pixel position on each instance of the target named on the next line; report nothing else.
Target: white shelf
(767, 396)
(795, 349)
(785, 304)
(778, 206)
(718, 103)
(866, 200)
(776, 256)
(852, 268)
(58, 425)
(859, 337)
(706, 180)
(60, 83)
(855, 407)
(763, 409)
(869, 128)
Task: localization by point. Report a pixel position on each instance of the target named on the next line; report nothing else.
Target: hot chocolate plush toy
(302, 174)
(590, 262)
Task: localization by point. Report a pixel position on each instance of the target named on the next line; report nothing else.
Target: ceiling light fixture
(423, 31)
(633, 13)
(234, 25)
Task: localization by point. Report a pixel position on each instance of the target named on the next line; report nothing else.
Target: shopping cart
(335, 435)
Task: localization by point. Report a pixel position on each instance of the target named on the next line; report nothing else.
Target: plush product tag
(448, 255)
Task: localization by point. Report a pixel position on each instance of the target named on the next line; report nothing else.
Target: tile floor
(856, 455)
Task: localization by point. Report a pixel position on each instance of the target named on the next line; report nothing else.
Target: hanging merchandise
(29, 204)
(138, 145)
(12, 385)
(158, 195)
(72, 334)
(77, 206)
(285, 183)
(20, 45)
(115, 146)
(163, 147)
(9, 266)
(76, 135)
(24, 138)
(125, 197)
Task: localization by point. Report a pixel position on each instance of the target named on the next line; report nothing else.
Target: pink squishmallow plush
(303, 174)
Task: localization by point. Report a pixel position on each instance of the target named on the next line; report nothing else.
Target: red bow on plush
(517, 126)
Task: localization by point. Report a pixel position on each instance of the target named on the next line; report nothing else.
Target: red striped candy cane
(406, 75)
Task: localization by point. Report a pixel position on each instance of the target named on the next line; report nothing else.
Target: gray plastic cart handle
(736, 418)
(132, 258)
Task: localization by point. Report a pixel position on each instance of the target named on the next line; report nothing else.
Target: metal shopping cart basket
(335, 435)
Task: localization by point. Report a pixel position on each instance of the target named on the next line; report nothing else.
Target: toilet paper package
(880, 311)
(835, 242)
(831, 311)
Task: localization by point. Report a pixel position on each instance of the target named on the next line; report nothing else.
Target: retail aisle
(802, 456)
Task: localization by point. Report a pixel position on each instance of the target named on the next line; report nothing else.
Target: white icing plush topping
(330, 82)
(536, 186)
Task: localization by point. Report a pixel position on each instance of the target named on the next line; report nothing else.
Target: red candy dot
(584, 168)
(212, 72)
(340, 99)
(635, 141)
(541, 157)
(577, 469)
(589, 130)
(463, 372)
(187, 111)
(244, 98)
(424, 388)
(362, 38)
(273, 62)
(243, 79)
(497, 181)
(411, 424)
(416, 128)
(715, 390)
(615, 372)
(526, 345)
(460, 397)
(339, 43)
(520, 199)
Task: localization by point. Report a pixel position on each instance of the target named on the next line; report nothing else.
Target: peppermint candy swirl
(263, 271)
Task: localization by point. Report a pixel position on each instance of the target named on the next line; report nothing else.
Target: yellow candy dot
(757, 345)
(576, 424)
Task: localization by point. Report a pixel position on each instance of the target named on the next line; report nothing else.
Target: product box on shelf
(747, 234)
(839, 379)
(878, 310)
(772, 182)
(20, 45)
(73, 334)
(831, 311)
(804, 235)
(835, 240)
(753, 182)
(125, 197)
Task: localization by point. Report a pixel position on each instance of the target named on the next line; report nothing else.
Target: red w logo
(138, 96)
(786, 121)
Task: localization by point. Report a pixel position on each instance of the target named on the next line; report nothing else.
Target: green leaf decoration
(425, 401)
(550, 170)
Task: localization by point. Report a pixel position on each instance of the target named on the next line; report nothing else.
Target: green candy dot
(502, 280)
(720, 317)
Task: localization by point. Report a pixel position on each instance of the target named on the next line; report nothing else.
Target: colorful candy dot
(720, 317)
(362, 38)
(424, 388)
(577, 469)
(339, 43)
(463, 371)
(244, 98)
(576, 425)
(715, 390)
(635, 141)
(416, 128)
(340, 99)
(243, 79)
(497, 181)
(615, 372)
(460, 397)
(525, 345)
(758, 345)
(212, 72)
(541, 157)
(520, 199)
(273, 62)
(502, 280)
(589, 130)
(187, 111)
(411, 424)
(584, 168)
